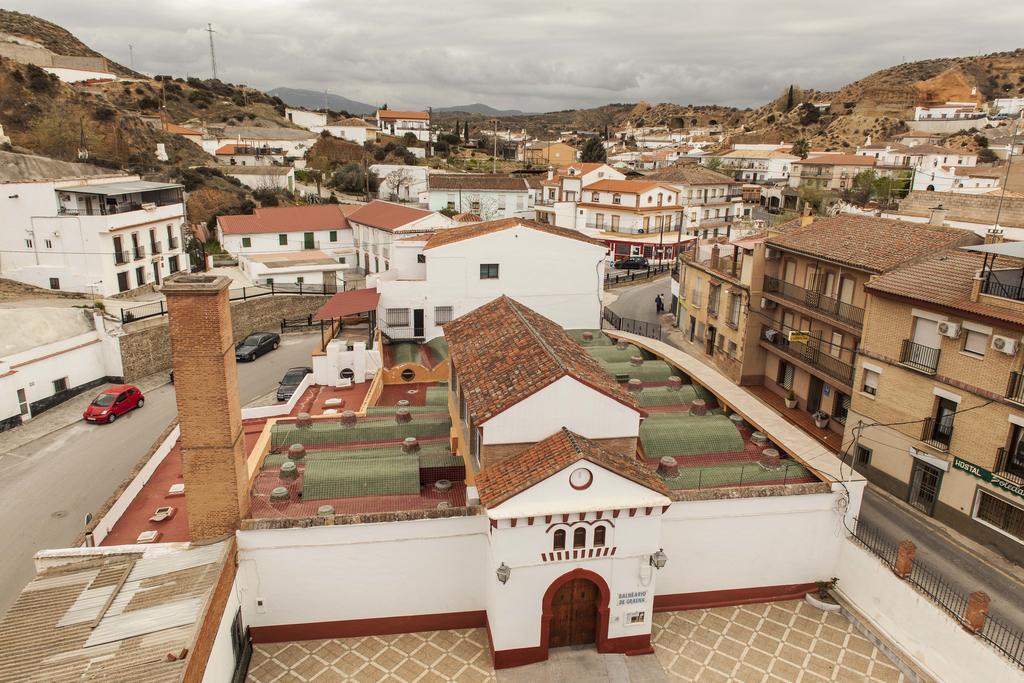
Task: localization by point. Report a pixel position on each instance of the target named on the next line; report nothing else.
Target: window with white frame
(443, 314)
(975, 342)
(869, 384)
(396, 317)
(735, 302)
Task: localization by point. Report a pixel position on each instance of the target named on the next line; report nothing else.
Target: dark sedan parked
(255, 345)
(632, 263)
(290, 382)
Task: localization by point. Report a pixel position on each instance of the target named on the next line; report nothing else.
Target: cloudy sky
(536, 56)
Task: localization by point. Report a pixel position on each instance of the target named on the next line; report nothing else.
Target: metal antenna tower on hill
(213, 55)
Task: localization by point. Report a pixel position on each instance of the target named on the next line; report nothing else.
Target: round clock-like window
(580, 478)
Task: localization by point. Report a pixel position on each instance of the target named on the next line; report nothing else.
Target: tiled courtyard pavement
(780, 641)
(457, 655)
(788, 642)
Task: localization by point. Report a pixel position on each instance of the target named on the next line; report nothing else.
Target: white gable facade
(585, 535)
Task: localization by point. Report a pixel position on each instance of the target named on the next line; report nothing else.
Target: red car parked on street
(113, 403)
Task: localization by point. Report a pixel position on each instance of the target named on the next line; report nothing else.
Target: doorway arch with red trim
(601, 640)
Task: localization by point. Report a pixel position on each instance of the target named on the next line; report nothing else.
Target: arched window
(599, 533)
(559, 540)
(579, 538)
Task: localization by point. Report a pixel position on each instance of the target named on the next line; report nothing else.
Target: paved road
(48, 485)
(964, 564)
(637, 301)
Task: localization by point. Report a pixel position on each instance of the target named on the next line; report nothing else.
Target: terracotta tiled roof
(935, 149)
(467, 217)
(979, 172)
(352, 122)
(475, 181)
(228, 149)
(946, 280)
(582, 168)
(562, 449)
(285, 219)
(872, 244)
(504, 352)
(690, 174)
(837, 160)
(387, 216)
(457, 234)
(390, 114)
(634, 186)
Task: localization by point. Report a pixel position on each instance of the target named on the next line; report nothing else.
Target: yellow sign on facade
(799, 337)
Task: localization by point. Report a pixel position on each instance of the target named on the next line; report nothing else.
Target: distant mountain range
(313, 99)
(479, 108)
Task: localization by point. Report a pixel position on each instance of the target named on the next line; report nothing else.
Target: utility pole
(1009, 160)
(325, 100)
(213, 55)
(494, 159)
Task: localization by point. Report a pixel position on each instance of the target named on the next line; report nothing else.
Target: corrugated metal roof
(109, 189)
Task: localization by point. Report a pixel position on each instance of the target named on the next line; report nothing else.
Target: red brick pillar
(977, 611)
(206, 385)
(905, 558)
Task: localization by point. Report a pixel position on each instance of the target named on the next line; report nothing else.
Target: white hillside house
(398, 123)
(434, 279)
(79, 228)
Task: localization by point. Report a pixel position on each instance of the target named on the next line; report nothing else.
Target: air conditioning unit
(772, 254)
(768, 304)
(148, 206)
(951, 330)
(1004, 344)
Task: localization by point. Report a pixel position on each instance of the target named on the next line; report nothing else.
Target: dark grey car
(255, 345)
(290, 382)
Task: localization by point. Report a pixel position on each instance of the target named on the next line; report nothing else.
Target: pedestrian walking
(659, 304)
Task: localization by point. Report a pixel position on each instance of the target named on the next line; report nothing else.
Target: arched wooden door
(574, 614)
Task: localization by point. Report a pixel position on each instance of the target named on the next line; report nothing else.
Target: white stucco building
(401, 183)
(398, 123)
(263, 177)
(80, 228)
(378, 225)
(353, 129)
(438, 277)
(490, 196)
(291, 244)
(305, 118)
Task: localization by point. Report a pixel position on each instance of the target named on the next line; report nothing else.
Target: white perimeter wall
(221, 664)
(932, 638)
(363, 571)
(563, 403)
(750, 542)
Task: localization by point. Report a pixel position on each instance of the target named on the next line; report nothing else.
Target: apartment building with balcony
(813, 298)
(937, 417)
(634, 207)
(711, 201)
(829, 171)
(488, 195)
(758, 165)
(79, 228)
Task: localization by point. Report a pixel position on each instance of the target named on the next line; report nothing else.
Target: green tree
(593, 152)
(865, 181)
(813, 197)
(802, 148)
(712, 163)
(465, 131)
(789, 98)
(352, 178)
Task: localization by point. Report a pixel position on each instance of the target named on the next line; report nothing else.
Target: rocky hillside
(53, 37)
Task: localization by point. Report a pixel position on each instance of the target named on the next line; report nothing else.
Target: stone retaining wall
(974, 208)
(146, 346)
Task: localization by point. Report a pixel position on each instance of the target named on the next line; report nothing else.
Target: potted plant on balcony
(790, 399)
(820, 419)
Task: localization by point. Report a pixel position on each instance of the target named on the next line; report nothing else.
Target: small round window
(408, 375)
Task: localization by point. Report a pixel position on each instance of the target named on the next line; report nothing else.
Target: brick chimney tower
(206, 384)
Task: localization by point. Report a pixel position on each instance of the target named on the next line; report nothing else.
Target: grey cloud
(532, 54)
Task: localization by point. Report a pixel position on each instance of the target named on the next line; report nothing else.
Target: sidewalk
(67, 413)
